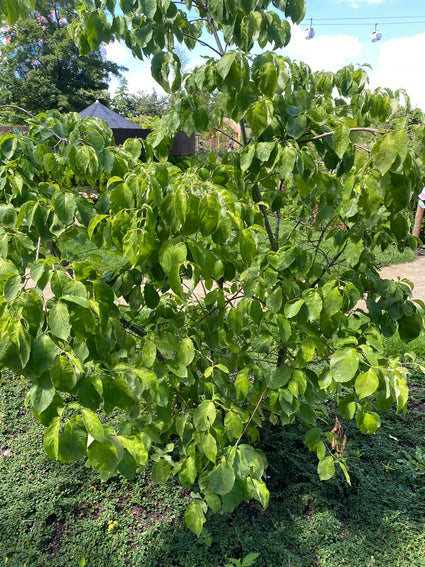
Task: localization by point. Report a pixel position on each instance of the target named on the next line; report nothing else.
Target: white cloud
(142, 80)
(401, 64)
(116, 52)
(328, 53)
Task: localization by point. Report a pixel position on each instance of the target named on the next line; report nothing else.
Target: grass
(61, 514)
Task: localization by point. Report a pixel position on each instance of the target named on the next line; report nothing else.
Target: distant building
(123, 129)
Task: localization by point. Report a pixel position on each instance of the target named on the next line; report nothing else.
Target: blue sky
(343, 36)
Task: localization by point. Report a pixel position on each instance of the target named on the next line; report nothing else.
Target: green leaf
(42, 393)
(51, 439)
(285, 162)
(15, 346)
(209, 214)
(399, 226)
(171, 255)
(121, 197)
(344, 364)
(242, 385)
(185, 352)
(268, 79)
(366, 383)
(93, 425)
(175, 281)
(292, 308)
(160, 472)
(224, 64)
(151, 296)
(280, 377)
(43, 352)
(65, 206)
(136, 448)
(149, 353)
(8, 216)
(233, 425)
(341, 139)
(149, 8)
(384, 153)
(195, 518)
(95, 30)
(248, 246)
(326, 468)
(345, 471)
(295, 9)
(204, 415)
(63, 374)
(259, 116)
(208, 446)
(347, 407)
(221, 479)
(59, 321)
(180, 203)
(261, 493)
(73, 440)
(368, 423)
(188, 473)
(11, 287)
(104, 457)
(410, 327)
(296, 126)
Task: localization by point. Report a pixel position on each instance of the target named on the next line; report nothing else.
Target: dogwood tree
(166, 314)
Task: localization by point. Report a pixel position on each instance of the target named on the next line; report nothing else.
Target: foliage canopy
(191, 305)
(40, 66)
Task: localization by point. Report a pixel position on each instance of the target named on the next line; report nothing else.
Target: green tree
(191, 307)
(142, 107)
(41, 69)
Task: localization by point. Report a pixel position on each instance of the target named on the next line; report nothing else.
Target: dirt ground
(413, 271)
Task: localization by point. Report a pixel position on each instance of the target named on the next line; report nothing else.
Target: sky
(342, 36)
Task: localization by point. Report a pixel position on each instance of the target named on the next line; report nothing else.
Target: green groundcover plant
(162, 311)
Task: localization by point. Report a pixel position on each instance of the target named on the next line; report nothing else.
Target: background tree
(41, 69)
(141, 107)
(192, 308)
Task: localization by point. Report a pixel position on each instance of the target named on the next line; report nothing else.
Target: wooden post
(418, 221)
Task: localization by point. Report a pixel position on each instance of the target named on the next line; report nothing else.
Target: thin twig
(326, 134)
(273, 243)
(329, 265)
(228, 136)
(243, 132)
(136, 329)
(36, 119)
(361, 147)
(204, 43)
(251, 417)
(324, 230)
(37, 253)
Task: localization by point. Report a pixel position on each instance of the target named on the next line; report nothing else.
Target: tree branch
(273, 243)
(136, 329)
(228, 136)
(213, 28)
(326, 134)
(204, 43)
(251, 417)
(36, 119)
(328, 265)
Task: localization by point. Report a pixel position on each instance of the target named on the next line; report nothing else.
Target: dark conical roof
(114, 120)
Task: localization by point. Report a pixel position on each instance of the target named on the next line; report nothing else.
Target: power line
(370, 18)
(371, 23)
